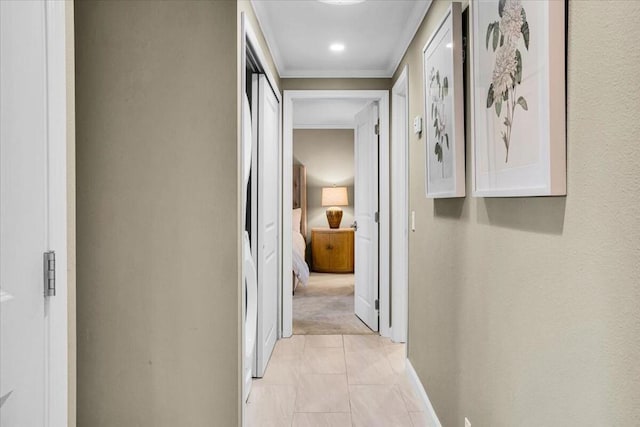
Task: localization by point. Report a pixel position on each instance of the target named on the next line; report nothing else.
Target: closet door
(268, 196)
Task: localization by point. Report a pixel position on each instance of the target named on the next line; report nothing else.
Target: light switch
(417, 125)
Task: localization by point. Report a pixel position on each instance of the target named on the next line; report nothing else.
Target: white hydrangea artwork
(505, 36)
(518, 98)
(444, 113)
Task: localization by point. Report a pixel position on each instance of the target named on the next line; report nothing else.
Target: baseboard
(422, 393)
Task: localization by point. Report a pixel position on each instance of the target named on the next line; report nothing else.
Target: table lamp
(334, 197)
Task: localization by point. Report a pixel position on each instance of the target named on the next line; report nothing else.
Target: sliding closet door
(268, 254)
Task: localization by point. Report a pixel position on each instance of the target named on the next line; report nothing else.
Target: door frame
(382, 97)
(58, 116)
(400, 207)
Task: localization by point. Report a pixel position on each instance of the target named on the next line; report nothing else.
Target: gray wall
(524, 311)
(157, 224)
(329, 159)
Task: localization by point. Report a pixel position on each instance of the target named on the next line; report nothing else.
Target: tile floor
(335, 381)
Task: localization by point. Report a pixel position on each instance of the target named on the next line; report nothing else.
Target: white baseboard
(422, 393)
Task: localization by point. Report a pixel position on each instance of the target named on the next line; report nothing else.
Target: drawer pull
(329, 247)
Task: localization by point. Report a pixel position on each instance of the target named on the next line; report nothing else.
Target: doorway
(371, 213)
(323, 188)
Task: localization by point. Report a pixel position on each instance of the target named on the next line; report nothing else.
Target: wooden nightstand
(332, 250)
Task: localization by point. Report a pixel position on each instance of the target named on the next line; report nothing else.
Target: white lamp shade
(335, 196)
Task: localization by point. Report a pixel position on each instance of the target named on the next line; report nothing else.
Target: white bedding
(300, 267)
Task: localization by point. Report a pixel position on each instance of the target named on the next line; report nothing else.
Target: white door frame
(400, 207)
(382, 96)
(56, 27)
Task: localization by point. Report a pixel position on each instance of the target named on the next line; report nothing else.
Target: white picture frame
(518, 99)
(444, 108)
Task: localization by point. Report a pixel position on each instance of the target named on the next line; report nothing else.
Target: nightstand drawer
(332, 250)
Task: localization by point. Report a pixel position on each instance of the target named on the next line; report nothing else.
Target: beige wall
(335, 84)
(157, 189)
(329, 159)
(524, 311)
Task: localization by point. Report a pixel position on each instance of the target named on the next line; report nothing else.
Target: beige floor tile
(378, 406)
(282, 372)
(321, 419)
(270, 406)
(323, 360)
(289, 348)
(323, 341)
(362, 342)
(322, 393)
(396, 355)
(369, 367)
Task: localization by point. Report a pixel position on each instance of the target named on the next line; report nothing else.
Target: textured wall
(328, 157)
(524, 311)
(157, 191)
(335, 84)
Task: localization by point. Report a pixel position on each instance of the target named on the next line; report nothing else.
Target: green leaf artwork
(438, 152)
(505, 35)
(438, 91)
(489, 32)
(490, 96)
(523, 103)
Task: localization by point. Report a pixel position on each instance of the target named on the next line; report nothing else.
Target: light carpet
(325, 306)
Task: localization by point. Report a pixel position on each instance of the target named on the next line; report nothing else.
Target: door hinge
(50, 274)
(377, 304)
(376, 128)
(376, 217)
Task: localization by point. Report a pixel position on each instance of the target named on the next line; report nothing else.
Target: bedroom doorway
(323, 257)
(347, 290)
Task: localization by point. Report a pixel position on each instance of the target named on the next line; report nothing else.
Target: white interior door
(365, 213)
(32, 172)
(268, 200)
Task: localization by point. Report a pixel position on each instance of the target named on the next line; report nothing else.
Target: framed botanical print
(444, 109)
(518, 97)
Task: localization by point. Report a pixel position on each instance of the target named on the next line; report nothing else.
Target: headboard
(300, 195)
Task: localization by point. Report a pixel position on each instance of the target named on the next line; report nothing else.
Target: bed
(299, 227)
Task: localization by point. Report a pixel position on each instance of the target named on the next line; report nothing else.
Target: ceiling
(326, 113)
(375, 35)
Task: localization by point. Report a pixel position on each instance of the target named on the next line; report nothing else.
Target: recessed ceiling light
(337, 47)
(341, 2)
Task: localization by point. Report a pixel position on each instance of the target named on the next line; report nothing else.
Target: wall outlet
(467, 423)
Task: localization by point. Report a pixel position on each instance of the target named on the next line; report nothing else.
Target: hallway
(335, 380)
